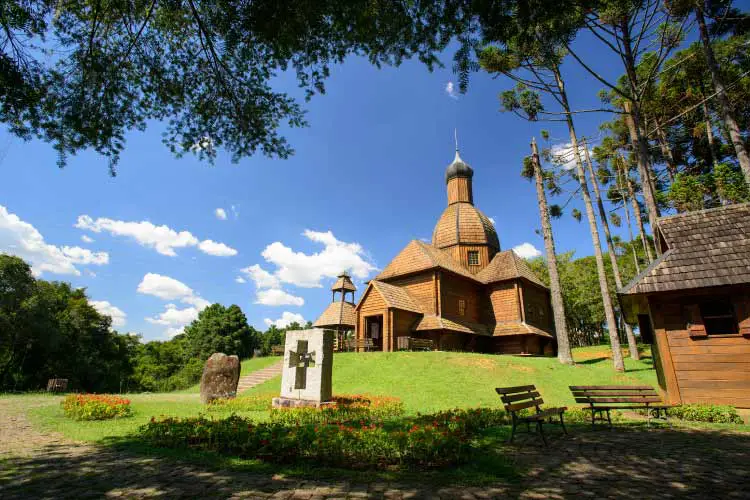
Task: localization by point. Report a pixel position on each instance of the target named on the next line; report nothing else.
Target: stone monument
(220, 377)
(307, 369)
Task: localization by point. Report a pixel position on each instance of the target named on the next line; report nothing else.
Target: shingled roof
(433, 322)
(507, 265)
(705, 248)
(420, 256)
(394, 296)
(334, 316)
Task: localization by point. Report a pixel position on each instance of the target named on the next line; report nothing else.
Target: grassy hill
(427, 381)
(424, 381)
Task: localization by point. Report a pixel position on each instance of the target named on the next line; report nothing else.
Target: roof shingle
(706, 248)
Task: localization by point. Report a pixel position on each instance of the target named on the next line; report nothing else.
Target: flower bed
(345, 408)
(424, 441)
(95, 406)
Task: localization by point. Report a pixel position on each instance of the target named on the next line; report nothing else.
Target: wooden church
(460, 291)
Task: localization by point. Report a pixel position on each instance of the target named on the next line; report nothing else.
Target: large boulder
(220, 377)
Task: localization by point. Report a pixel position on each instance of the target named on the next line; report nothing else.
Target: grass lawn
(429, 381)
(425, 382)
(247, 366)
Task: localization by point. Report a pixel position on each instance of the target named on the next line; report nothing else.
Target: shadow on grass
(629, 460)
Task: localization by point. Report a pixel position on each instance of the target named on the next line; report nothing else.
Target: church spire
(458, 177)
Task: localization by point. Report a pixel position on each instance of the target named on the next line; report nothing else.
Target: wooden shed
(693, 305)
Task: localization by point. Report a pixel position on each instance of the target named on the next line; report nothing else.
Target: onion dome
(464, 224)
(458, 168)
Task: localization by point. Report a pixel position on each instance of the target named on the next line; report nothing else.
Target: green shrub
(345, 408)
(95, 406)
(256, 402)
(706, 413)
(352, 445)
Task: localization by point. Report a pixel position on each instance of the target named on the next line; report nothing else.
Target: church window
(461, 307)
(473, 258)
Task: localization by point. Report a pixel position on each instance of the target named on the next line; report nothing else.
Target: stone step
(259, 376)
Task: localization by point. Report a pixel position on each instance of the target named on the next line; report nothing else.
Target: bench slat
(615, 393)
(610, 387)
(595, 401)
(524, 405)
(511, 390)
(519, 397)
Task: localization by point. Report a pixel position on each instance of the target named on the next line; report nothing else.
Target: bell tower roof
(458, 168)
(344, 283)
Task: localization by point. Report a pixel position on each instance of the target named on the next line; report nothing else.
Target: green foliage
(706, 413)
(221, 329)
(687, 192)
(576, 214)
(80, 75)
(360, 408)
(730, 184)
(50, 330)
(95, 407)
(437, 440)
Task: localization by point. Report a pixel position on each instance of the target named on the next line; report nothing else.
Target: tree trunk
(627, 216)
(638, 217)
(666, 151)
(640, 149)
(632, 346)
(564, 354)
(724, 104)
(609, 312)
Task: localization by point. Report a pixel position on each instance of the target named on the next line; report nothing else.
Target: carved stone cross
(301, 360)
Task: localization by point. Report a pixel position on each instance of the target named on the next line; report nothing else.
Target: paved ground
(657, 463)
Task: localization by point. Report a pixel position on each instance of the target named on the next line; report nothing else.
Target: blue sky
(369, 169)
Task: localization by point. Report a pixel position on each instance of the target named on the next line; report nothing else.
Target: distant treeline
(48, 329)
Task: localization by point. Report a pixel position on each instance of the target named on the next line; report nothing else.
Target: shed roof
(334, 316)
(508, 328)
(434, 322)
(705, 248)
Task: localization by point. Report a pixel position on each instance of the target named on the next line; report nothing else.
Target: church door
(375, 331)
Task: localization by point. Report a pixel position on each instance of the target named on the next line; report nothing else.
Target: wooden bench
(277, 350)
(516, 399)
(414, 344)
(365, 344)
(604, 398)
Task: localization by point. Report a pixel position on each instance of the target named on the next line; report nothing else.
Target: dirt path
(633, 463)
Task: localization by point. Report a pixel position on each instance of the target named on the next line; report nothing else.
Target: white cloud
(564, 155)
(261, 277)
(87, 239)
(168, 288)
(239, 279)
(307, 270)
(174, 316)
(277, 297)
(491, 220)
(161, 238)
(235, 211)
(23, 240)
(526, 251)
(78, 255)
(450, 89)
(285, 320)
(104, 307)
(164, 287)
(220, 213)
(216, 249)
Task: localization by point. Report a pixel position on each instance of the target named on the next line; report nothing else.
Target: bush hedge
(95, 406)
(706, 413)
(424, 441)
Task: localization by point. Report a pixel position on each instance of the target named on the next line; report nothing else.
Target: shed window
(473, 258)
(461, 307)
(718, 317)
